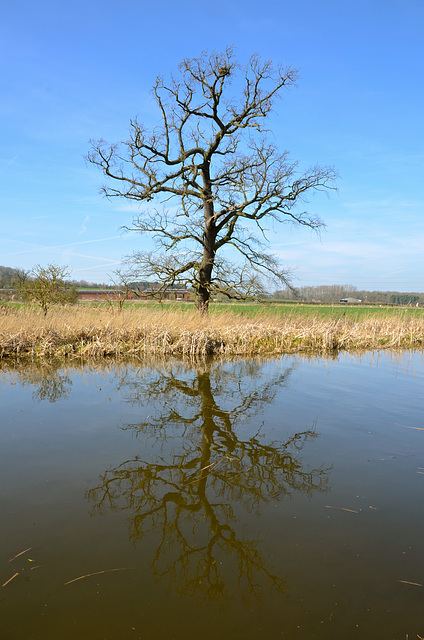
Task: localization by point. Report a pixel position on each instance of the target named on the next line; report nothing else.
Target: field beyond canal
(230, 329)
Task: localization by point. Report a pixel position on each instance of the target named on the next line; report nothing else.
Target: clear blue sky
(80, 70)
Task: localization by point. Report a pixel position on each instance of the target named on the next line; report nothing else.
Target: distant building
(350, 300)
(144, 294)
(102, 294)
(169, 294)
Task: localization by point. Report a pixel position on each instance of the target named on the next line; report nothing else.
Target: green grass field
(352, 312)
(275, 310)
(265, 310)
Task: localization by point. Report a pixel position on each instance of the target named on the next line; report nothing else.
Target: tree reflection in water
(210, 466)
(47, 381)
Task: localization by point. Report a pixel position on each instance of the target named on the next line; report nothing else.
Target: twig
(407, 427)
(20, 554)
(210, 466)
(415, 584)
(341, 509)
(404, 455)
(96, 573)
(10, 579)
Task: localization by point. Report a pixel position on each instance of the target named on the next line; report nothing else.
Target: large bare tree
(210, 178)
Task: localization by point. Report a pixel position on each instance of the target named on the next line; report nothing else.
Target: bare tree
(212, 177)
(124, 288)
(46, 286)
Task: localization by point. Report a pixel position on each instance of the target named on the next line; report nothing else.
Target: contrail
(59, 246)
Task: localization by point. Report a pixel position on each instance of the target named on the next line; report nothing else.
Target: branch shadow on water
(212, 474)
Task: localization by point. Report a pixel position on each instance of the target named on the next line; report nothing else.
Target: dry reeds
(82, 332)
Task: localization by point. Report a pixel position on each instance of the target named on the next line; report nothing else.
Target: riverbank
(80, 332)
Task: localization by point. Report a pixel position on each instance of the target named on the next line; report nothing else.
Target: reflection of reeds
(92, 332)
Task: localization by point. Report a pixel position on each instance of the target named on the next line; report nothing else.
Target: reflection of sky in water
(234, 501)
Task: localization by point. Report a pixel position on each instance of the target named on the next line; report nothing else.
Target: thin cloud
(84, 226)
(97, 266)
(61, 246)
(89, 257)
(8, 163)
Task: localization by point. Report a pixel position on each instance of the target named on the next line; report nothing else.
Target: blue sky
(81, 70)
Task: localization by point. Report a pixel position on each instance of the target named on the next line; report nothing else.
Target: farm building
(119, 294)
(102, 294)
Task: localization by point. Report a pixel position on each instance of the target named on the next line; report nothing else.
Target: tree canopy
(210, 178)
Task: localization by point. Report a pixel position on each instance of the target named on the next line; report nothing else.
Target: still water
(249, 499)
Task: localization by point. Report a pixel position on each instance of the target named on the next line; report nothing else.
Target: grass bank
(87, 332)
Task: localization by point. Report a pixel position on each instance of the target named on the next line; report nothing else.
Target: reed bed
(88, 332)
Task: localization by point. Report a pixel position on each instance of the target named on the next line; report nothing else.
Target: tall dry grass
(79, 332)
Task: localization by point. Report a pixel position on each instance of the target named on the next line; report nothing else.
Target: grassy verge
(327, 311)
(86, 331)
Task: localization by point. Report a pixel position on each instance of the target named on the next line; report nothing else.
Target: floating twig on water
(408, 427)
(341, 509)
(10, 579)
(20, 554)
(96, 573)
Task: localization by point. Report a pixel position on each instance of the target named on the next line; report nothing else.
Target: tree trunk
(209, 237)
(205, 276)
(202, 301)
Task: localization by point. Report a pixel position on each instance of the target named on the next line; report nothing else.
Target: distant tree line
(335, 292)
(13, 279)
(404, 298)
(7, 277)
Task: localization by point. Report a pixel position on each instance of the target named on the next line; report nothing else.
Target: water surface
(261, 498)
